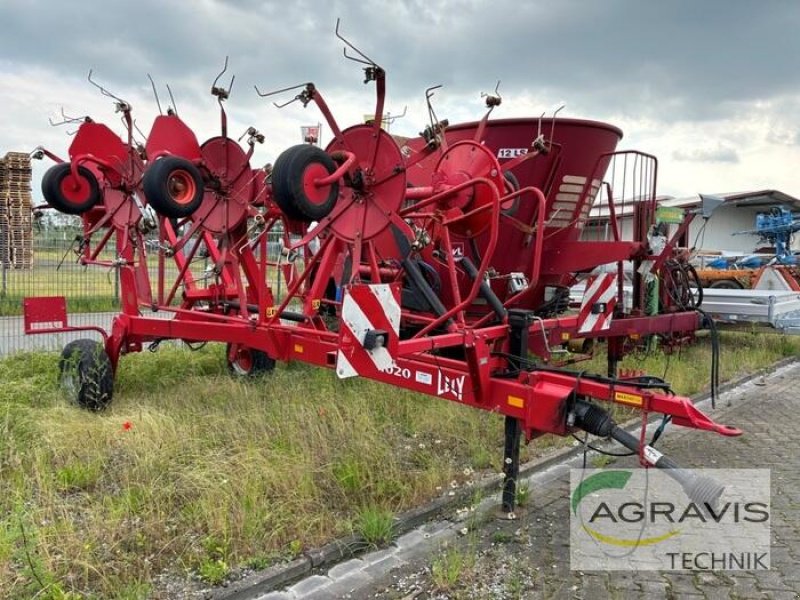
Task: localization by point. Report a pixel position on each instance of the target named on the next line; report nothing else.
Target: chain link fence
(92, 292)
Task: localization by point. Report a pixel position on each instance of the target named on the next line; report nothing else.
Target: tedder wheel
(248, 362)
(279, 182)
(86, 374)
(726, 284)
(512, 185)
(293, 187)
(67, 194)
(173, 186)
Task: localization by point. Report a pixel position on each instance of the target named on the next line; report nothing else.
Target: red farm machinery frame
(440, 264)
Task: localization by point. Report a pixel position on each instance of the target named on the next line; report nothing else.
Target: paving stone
(277, 596)
(771, 580)
(346, 568)
(379, 555)
(745, 587)
(654, 589)
(409, 540)
(346, 586)
(309, 585)
(383, 567)
(717, 593)
(592, 588)
(782, 595)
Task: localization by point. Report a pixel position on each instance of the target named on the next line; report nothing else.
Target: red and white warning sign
(368, 333)
(599, 300)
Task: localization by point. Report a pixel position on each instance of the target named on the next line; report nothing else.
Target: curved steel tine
(430, 90)
(295, 99)
(286, 89)
(230, 85)
(221, 73)
(155, 93)
(141, 133)
(389, 118)
(66, 119)
(555, 114)
(104, 91)
(172, 99)
(355, 59)
(366, 59)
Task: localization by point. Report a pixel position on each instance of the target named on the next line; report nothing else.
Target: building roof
(765, 198)
(754, 198)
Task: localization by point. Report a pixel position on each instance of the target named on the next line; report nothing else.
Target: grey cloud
(720, 154)
(783, 137)
(668, 60)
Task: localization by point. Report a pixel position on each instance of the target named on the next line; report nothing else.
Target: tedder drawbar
(440, 264)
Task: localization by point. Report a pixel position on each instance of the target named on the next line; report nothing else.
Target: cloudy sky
(711, 87)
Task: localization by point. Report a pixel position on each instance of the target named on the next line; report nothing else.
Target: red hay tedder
(439, 264)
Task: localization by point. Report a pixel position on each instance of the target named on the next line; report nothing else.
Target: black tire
(57, 191)
(726, 284)
(280, 186)
(173, 186)
(289, 176)
(247, 362)
(512, 184)
(86, 374)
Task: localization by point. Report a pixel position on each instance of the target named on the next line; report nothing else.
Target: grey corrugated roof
(754, 198)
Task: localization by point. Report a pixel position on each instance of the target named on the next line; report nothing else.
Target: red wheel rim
(316, 194)
(223, 210)
(181, 187)
(243, 361)
(75, 190)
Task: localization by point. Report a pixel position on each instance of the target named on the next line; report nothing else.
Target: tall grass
(194, 473)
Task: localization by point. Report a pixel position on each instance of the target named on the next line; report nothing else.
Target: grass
(451, 566)
(215, 474)
(376, 526)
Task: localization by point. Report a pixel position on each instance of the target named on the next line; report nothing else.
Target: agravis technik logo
(610, 480)
(643, 519)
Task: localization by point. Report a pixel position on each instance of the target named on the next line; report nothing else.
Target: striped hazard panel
(598, 304)
(368, 334)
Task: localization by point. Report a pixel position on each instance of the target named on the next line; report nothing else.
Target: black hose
(715, 354)
(597, 421)
(485, 290)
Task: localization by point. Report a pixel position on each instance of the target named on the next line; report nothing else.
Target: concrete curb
(278, 576)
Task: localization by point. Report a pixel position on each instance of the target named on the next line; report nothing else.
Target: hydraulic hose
(702, 490)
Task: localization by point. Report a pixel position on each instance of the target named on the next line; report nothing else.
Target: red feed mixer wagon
(439, 264)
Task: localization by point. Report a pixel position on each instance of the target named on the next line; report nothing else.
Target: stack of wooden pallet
(16, 229)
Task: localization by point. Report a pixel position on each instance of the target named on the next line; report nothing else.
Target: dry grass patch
(193, 473)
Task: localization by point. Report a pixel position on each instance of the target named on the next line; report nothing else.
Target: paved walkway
(529, 557)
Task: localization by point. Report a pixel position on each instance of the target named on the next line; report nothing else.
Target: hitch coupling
(597, 421)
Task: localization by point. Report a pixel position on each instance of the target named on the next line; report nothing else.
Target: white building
(737, 213)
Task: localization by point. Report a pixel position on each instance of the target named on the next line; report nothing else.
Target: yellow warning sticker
(271, 310)
(565, 336)
(626, 398)
(516, 402)
(315, 304)
(298, 348)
